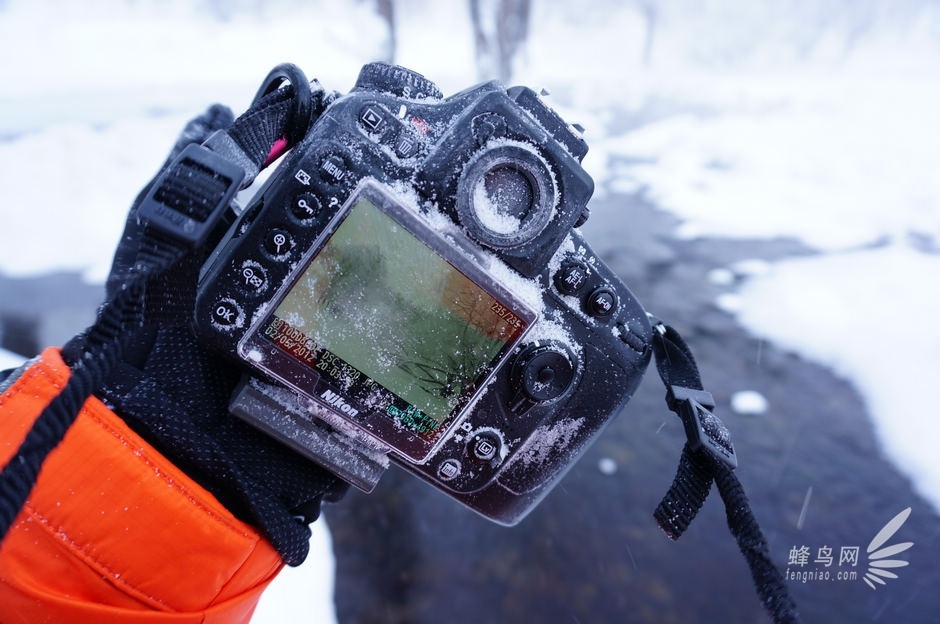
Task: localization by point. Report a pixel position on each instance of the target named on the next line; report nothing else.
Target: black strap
(707, 457)
(103, 347)
(181, 208)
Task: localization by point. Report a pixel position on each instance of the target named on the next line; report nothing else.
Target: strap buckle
(189, 197)
(702, 427)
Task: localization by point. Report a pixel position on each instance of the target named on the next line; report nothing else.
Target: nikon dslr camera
(409, 285)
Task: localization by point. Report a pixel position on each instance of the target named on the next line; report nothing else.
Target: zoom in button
(278, 242)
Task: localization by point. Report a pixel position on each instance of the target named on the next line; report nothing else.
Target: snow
(306, 589)
(748, 402)
(812, 170)
(8, 359)
(490, 215)
(607, 466)
(802, 120)
(870, 315)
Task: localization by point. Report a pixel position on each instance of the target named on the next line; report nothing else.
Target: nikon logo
(338, 403)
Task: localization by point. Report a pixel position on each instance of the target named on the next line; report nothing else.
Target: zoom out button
(252, 277)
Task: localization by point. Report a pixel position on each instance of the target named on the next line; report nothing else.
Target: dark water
(47, 310)
(592, 552)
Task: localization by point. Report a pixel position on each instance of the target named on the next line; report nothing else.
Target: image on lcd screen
(376, 306)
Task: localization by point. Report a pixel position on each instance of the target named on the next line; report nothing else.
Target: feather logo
(878, 562)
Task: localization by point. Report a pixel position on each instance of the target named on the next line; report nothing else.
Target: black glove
(175, 394)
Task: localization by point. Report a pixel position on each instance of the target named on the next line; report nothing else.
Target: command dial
(399, 81)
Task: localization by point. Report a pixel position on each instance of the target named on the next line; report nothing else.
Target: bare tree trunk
(500, 29)
(650, 16)
(513, 31)
(386, 10)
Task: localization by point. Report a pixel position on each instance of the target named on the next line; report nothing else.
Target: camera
(410, 286)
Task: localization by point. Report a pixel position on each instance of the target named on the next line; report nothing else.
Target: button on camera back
(305, 207)
(278, 242)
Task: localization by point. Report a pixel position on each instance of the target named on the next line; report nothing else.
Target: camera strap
(708, 456)
(181, 209)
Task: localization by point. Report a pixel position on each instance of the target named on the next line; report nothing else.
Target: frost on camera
(489, 210)
(547, 441)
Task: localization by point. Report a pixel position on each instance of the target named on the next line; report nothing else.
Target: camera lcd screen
(400, 338)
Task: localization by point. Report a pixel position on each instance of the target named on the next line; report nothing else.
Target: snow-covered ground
(815, 121)
(9, 359)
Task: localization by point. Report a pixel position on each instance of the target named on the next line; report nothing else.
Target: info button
(448, 470)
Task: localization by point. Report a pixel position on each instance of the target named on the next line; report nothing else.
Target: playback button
(373, 118)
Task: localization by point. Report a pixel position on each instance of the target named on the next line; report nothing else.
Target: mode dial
(397, 80)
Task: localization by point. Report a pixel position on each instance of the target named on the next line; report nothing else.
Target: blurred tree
(648, 9)
(386, 10)
(500, 29)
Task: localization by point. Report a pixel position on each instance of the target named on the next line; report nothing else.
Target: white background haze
(815, 121)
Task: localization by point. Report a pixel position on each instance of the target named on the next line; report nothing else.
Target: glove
(175, 394)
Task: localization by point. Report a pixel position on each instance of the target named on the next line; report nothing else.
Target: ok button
(227, 314)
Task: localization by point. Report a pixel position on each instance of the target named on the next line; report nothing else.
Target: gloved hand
(175, 393)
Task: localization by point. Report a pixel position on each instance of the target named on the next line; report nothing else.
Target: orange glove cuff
(113, 532)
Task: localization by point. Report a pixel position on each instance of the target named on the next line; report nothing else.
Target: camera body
(409, 284)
